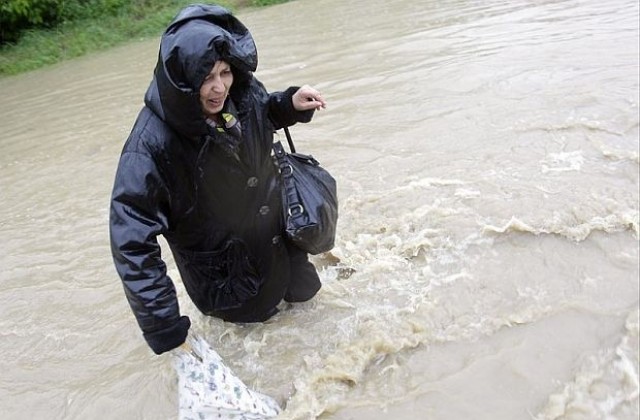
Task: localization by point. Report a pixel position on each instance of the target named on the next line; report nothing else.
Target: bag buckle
(284, 172)
(295, 210)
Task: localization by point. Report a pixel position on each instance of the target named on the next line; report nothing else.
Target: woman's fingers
(307, 98)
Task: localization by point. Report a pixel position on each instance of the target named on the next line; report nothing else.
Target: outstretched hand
(307, 98)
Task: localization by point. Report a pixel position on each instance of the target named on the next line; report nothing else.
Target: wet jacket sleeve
(139, 208)
(281, 110)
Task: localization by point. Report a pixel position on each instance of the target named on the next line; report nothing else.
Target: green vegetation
(61, 29)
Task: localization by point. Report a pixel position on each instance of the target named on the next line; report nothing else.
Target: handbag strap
(289, 140)
(291, 200)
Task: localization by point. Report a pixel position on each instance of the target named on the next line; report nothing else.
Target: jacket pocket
(226, 278)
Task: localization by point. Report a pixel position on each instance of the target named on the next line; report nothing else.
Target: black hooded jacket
(217, 206)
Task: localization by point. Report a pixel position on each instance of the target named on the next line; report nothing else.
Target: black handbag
(309, 199)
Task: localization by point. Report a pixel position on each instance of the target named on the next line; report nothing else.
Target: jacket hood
(199, 36)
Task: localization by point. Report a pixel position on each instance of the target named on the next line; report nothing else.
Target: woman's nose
(217, 85)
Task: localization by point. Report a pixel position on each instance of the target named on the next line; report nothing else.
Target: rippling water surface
(487, 259)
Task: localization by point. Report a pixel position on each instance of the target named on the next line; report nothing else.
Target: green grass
(40, 48)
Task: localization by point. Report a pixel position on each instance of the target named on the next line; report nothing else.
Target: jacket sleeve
(281, 111)
(139, 208)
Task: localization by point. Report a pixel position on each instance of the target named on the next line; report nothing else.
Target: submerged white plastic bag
(208, 389)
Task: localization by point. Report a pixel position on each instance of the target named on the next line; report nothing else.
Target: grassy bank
(40, 48)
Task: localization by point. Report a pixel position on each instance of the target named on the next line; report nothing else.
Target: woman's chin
(212, 112)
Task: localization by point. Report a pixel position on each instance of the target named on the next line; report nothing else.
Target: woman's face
(215, 88)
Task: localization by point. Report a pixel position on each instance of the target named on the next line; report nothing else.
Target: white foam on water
(605, 384)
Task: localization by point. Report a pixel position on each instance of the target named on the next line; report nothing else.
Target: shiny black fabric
(309, 198)
(219, 211)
